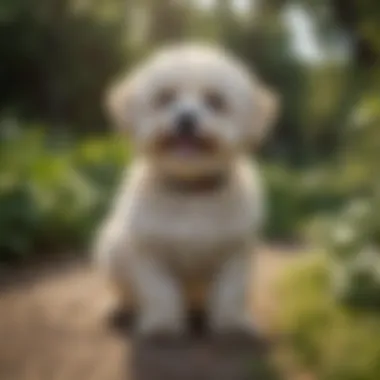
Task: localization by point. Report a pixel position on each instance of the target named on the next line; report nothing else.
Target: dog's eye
(164, 98)
(215, 101)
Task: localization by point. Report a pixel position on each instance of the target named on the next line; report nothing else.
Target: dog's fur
(183, 226)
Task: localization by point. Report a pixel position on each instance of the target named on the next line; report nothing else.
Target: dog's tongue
(186, 147)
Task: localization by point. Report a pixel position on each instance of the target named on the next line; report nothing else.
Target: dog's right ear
(120, 104)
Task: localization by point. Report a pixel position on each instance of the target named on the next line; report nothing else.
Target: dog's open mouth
(187, 146)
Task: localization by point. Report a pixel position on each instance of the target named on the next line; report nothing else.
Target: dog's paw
(121, 319)
(197, 322)
(160, 329)
(167, 340)
(242, 336)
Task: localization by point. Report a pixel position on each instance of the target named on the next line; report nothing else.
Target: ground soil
(54, 326)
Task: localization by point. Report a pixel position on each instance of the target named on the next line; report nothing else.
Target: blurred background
(60, 161)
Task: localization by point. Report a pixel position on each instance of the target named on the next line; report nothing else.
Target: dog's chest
(191, 224)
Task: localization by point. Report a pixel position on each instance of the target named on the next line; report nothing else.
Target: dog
(181, 232)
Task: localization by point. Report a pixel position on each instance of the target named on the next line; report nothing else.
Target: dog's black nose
(187, 124)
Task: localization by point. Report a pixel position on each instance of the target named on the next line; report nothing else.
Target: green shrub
(51, 197)
(334, 342)
(295, 198)
(351, 237)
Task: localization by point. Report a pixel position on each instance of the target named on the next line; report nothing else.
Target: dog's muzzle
(186, 139)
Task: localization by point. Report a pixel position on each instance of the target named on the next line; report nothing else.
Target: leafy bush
(297, 197)
(52, 196)
(351, 237)
(334, 342)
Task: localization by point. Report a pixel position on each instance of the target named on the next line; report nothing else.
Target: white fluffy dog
(181, 231)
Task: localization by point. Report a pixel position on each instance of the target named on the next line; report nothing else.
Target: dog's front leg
(229, 293)
(159, 297)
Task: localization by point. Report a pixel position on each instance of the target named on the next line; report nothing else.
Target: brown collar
(197, 185)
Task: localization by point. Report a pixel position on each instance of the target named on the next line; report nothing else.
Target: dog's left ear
(119, 104)
(266, 109)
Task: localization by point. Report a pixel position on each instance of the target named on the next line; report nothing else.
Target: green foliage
(285, 202)
(352, 235)
(334, 342)
(52, 197)
(297, 197)
(56, 61)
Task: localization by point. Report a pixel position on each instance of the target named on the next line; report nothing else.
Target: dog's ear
(266, 109)
(119, 104)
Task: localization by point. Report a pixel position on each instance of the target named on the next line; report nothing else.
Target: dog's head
(192, 109)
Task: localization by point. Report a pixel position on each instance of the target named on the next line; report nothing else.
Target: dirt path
(52, 324)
